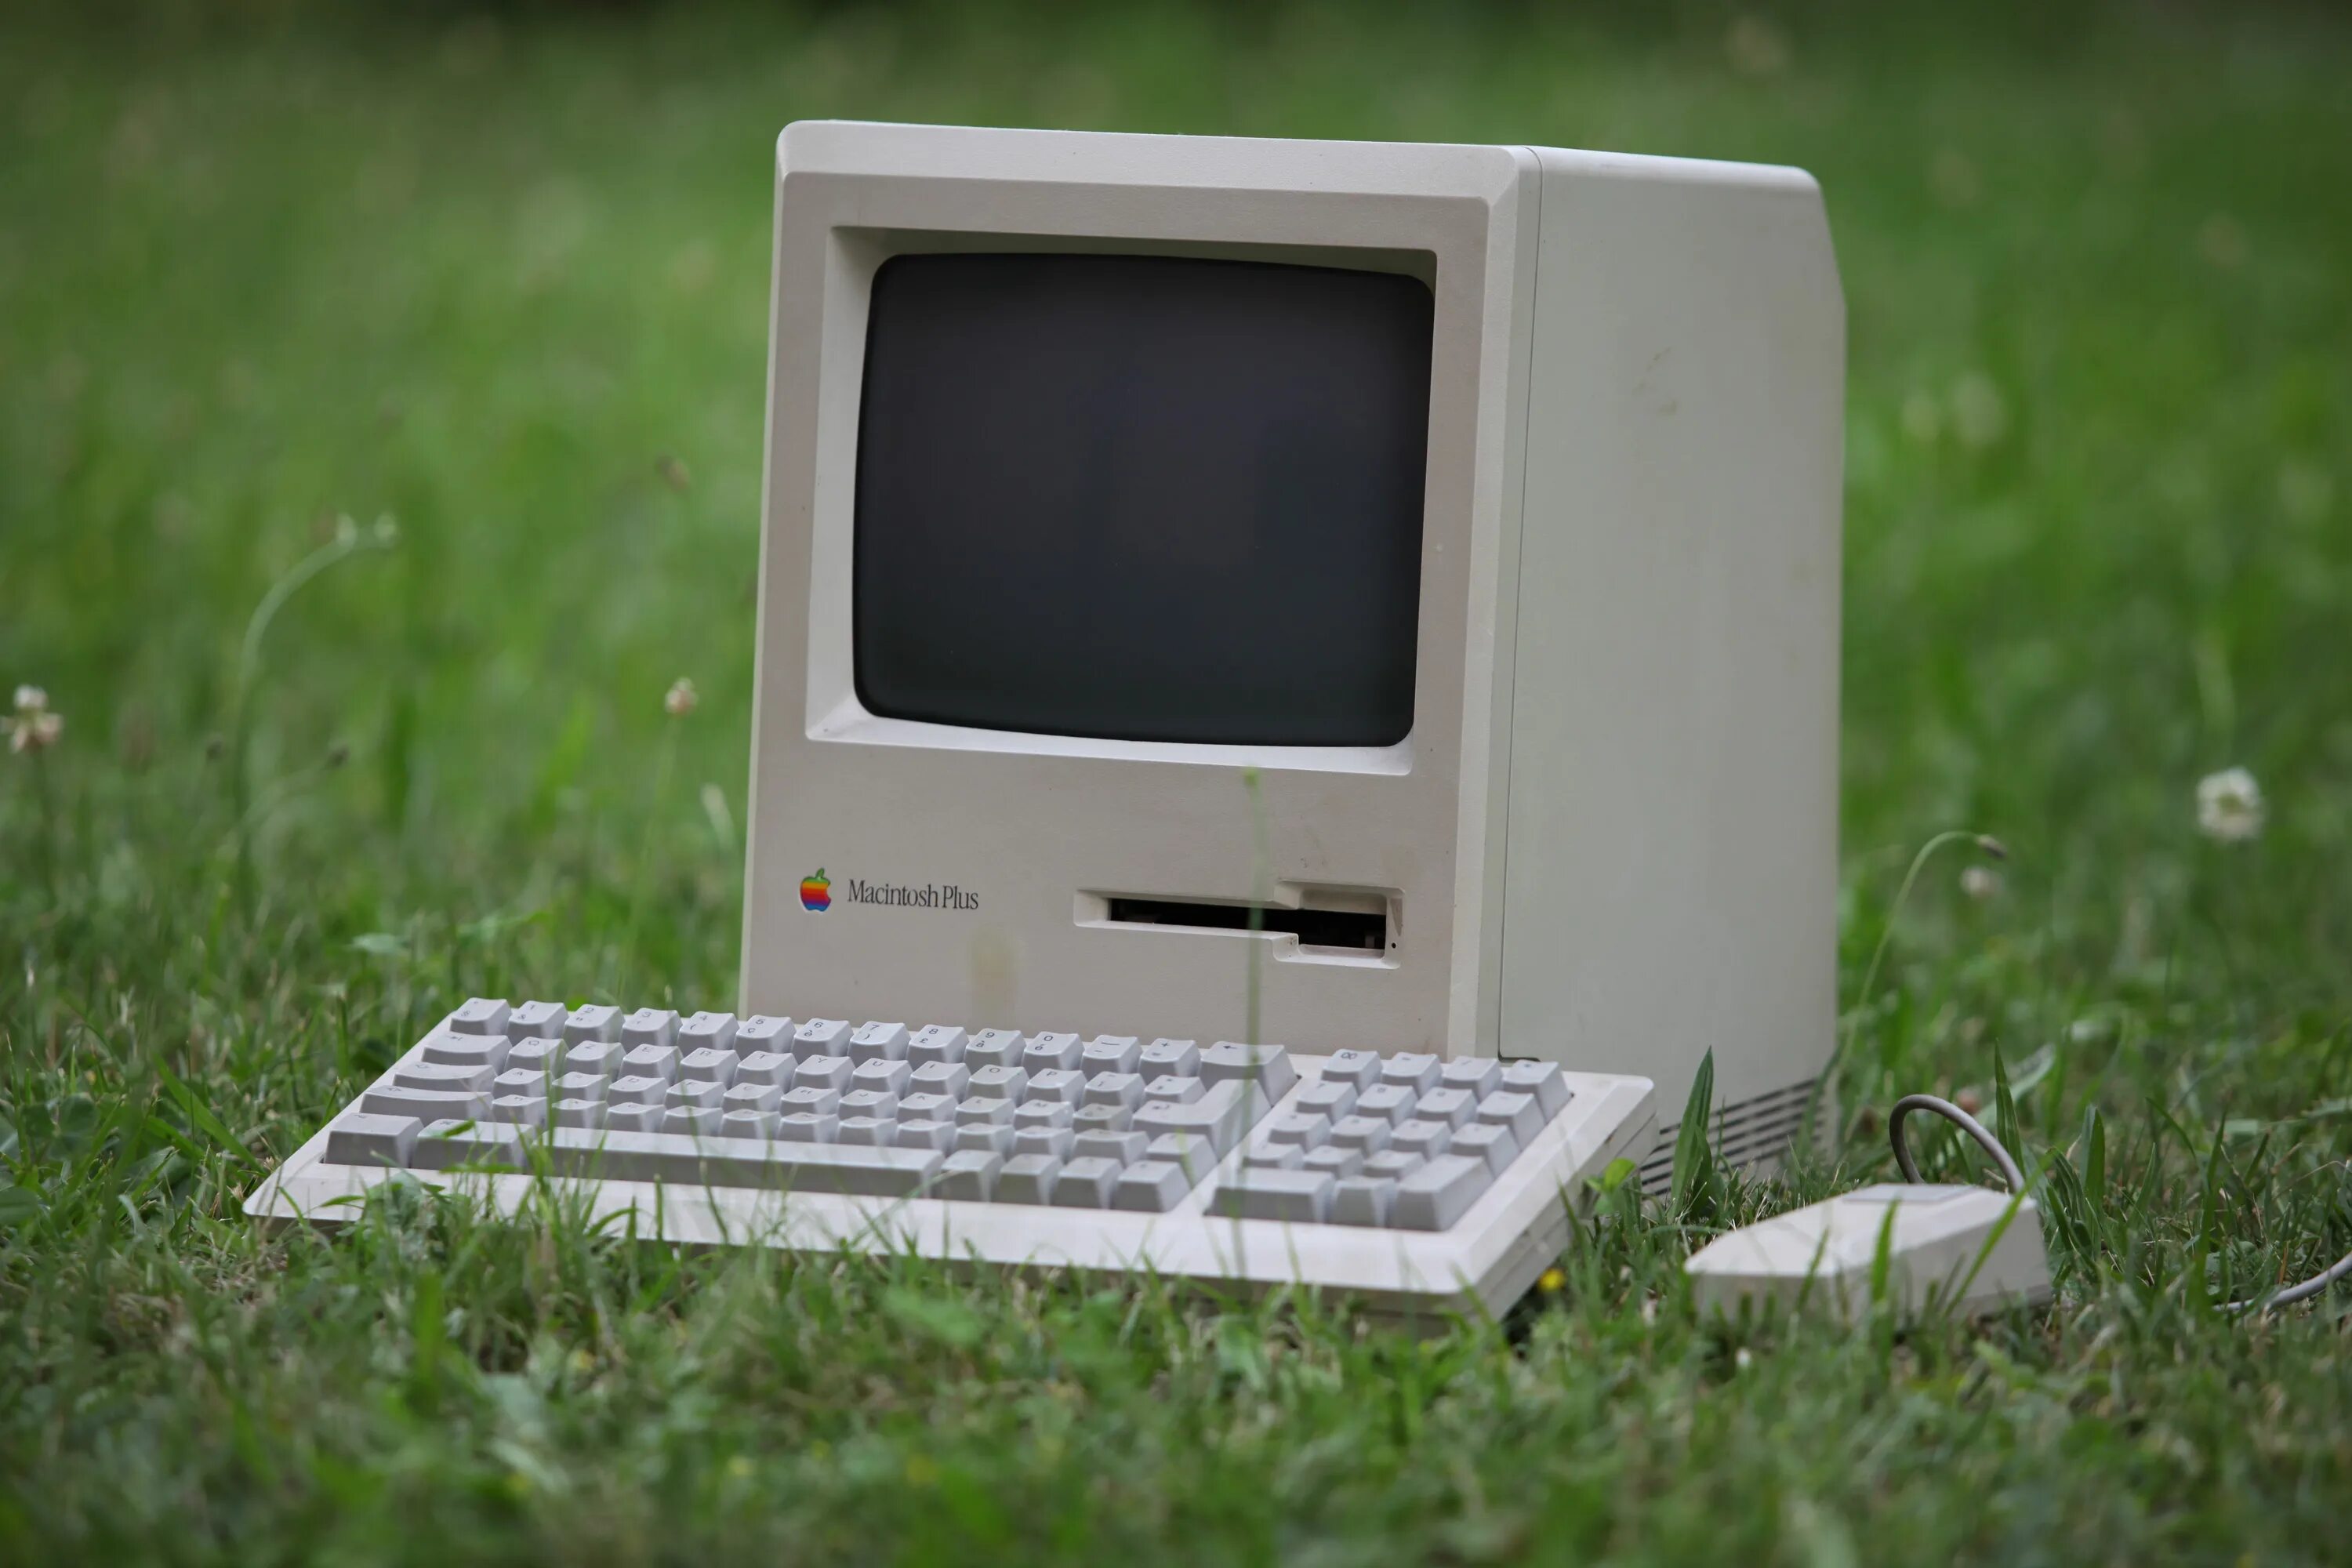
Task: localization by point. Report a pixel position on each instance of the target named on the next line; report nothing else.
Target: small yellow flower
(1552, 1280)
(681, 699)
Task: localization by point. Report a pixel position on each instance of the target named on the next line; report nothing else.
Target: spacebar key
(858, 1169)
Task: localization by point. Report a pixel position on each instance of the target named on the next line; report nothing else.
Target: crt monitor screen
(1142, 498)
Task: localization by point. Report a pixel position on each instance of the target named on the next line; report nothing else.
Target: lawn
(497, 280)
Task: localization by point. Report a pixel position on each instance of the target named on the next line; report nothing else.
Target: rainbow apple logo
(816, 892)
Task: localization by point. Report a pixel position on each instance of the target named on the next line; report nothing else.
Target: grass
(500, 277)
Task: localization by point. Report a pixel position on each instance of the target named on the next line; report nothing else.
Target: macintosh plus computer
(1297, 700)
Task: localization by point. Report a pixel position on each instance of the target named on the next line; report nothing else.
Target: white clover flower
(1980, 882)
(2229, 806)
(34, 728)
(681, 699)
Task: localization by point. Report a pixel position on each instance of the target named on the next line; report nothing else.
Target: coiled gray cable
(2015, 1177)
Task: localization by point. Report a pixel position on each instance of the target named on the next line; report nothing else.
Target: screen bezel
(835, 710)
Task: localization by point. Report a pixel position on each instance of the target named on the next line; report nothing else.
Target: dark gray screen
(1144, 497)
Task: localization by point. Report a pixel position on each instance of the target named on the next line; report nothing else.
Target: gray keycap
(535, 1018)
(879, 1042)
(708, 1064)
(636, 1090)
(585, 1113)
(1268, 1067)
(985, 1137)
(950, 1079)
(1114, 1088)
(361, 1139)
(1191, 1153)
(1333, 1161)
(1438, 1193)
(984, 1111)
(480, 1015)
(994, 1049)
(810, 1100)
(522, 1080)
(1420, 1137)
(747, 1123)
(967, 1175)
(1008, 1084)
(1051, 1050)
(874, 1129)
(596, 1021)
(1366, 1135)
(1362, 1200)
(448, 1079)
(1219, 1116)
(927, 1107)
(1488, 1142)
(764, 1032)
(445, 1145)
(650, 1026)
(600, 1057)
(1327, 1099)
(869, 1102)
(1168, 1087)
(936, 1044)
(1386, 1102)
(821, 1037)
(707, 1032)
(1357, 1069)
(1414, 1071)
(1027, 1179)
(801, 1166)
(581, 1086)
(1305, 1128)
(1057, 1083)
(1041, 1113)
(890, 1075)
(1391, 1164)
(1053, 1140)
(1149, 1186)
(753, 1098)
(1264, 1154)
(822, 1072)
(1103, 1118)
(650, 1061)
(808, 1127)
(1520, 1112)
(539, 1055)
(1172, 1059)
(1298, 1196)
(1086, 1184)
(695, 1091)
(447, 1049)
(1542, 1080)
(703, 1119)
(634, 1118)
(427, 1105)
(765, 1067)
(1120, 1147)
(1478, 1076)
(924, 1134)
(1110, 1053)
(1454, 1106)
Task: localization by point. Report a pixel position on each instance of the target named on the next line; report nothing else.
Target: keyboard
(1408, 1181)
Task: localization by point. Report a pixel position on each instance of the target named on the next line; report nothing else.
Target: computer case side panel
(1671, 856)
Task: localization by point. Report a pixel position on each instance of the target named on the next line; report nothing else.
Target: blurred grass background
(499, 274)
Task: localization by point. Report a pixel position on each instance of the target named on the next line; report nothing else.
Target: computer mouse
(1956, 1248)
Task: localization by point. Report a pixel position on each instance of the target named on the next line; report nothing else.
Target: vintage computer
(1297, 701)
